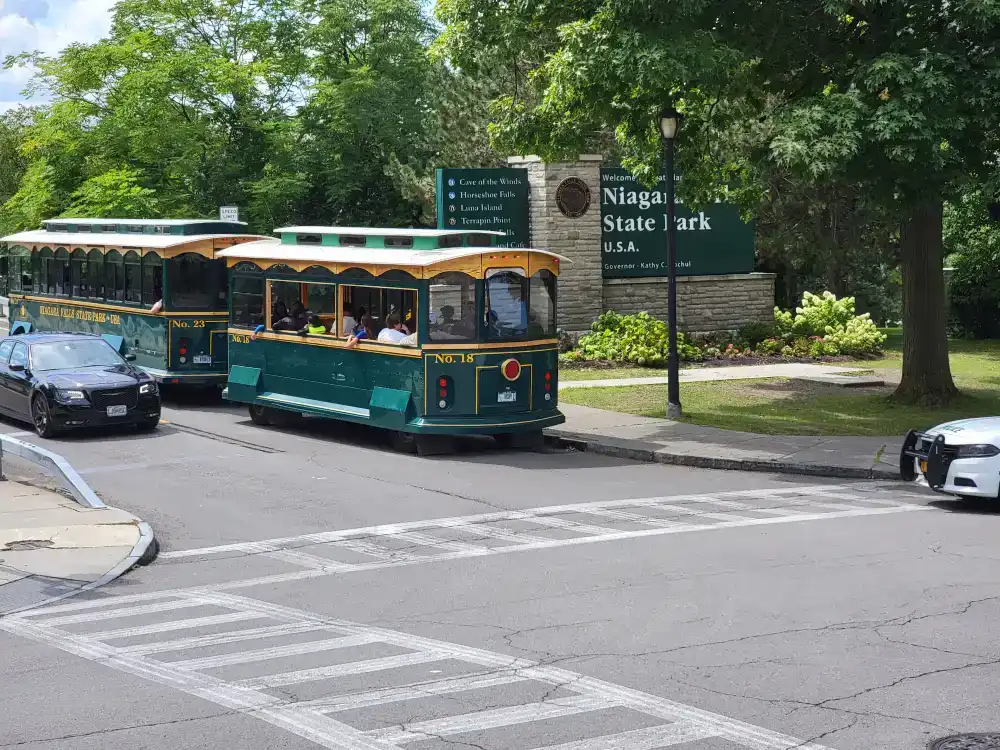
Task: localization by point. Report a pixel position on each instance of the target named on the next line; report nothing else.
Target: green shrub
(768, 347)
(752, 334)
(637, 339)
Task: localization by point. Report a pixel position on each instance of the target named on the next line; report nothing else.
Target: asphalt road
(318, 590)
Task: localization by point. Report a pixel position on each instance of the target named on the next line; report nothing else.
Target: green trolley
(153, 288)
(421, 332)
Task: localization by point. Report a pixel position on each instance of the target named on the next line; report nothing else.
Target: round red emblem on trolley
(511, 369)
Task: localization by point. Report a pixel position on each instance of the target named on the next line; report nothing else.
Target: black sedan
(60, 381)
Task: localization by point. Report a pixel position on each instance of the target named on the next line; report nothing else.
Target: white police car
(958, 458)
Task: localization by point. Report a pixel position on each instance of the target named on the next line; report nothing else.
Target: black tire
(403, 442)
(259, 415)
(148, 425)
(280, 417)
(41, 418)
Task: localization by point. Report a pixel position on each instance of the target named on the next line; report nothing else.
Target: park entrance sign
(712, 241)
(487, 199)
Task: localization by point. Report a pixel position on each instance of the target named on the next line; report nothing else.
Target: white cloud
(48, 26)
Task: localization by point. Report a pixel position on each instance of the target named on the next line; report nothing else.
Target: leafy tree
(115, 193)
(897, 96)
(292, 108)
(974, 243)
(13, 126)
(34, 201)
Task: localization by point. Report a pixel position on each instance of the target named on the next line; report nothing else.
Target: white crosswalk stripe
(578, 695)
(384, 546)
(491, 719)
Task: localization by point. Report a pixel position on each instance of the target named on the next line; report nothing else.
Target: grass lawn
(789, 407)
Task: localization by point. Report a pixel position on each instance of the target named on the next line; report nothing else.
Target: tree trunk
(926, 369)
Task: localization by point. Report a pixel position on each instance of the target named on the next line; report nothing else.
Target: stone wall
(704, 303)
(578, 239)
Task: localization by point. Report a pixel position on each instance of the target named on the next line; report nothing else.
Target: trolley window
(152, 279)
(542, 304)
(248, 302)
(133, 277)
(114, 276)
(452, 314)
(195, 283)
(506, 304)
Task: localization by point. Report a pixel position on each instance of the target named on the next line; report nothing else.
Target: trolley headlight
(977, 451)
(70, 395)
(147, 388)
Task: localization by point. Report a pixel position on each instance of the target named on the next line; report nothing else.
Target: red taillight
(445, 396)
(183, 346)
(548, 386)
(548, 376)
(511, 369)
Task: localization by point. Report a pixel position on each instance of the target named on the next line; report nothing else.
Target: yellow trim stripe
(118, 308)
(330, 342)
(483, 347)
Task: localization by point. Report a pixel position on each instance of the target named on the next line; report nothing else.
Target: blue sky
(46, 25)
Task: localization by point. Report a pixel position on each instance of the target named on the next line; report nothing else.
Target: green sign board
(488, 199)
(710, 242)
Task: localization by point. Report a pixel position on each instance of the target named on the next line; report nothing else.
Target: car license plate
(203, 359)
(923, 466)
(507, 397)
(117, 411)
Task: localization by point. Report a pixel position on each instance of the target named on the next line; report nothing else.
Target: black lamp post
(670, 123)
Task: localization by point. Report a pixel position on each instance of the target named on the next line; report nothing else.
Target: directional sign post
(488, 199)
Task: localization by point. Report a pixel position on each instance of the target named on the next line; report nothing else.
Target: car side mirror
(16, 367)
(130, 358)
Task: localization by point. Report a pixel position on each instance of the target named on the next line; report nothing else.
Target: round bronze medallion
(573, 197)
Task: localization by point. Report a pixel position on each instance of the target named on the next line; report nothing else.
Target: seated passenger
(362, 332)
(294, 321)
(348, 322)
(313, 325)
(393, 333)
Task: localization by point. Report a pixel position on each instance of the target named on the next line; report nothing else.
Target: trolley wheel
(403, 442)
(533, 440)
(259, 415)
(280, 417)
(435, 445)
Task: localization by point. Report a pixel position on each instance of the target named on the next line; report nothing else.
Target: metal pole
(673, 363)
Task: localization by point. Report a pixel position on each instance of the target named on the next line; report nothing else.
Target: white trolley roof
(276, 252)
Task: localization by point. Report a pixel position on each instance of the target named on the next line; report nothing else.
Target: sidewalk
(52, 547)
(794, 370)
(667, 442)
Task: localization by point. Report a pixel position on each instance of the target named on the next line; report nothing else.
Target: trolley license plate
(117, 411)
(507, 397)
(203, 359)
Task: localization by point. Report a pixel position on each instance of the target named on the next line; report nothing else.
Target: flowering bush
(834, 321)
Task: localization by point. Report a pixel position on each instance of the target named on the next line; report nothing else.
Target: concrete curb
(143, 553)
(635, 450)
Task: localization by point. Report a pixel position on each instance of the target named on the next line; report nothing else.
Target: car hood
(969, 431)
(92, 377)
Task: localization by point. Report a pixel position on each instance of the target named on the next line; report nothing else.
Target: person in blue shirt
(362, 332)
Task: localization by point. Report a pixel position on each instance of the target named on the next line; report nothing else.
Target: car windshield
(66, 355)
